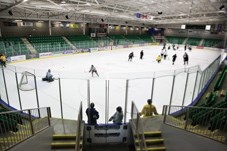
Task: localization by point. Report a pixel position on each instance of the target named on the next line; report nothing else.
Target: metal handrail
(209, 122)
(138, 127)
(16, 127)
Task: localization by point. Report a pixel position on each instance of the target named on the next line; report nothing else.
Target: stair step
(64, 137)
(152, 149)
(153, 141)
(151, 134)
(64, 145)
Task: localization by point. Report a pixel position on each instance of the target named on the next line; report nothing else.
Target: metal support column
(18, 91)
(196, 78)
(126, 100)
(152, 89)
(185, 88)
(60, 96)
(88, 93)
(171, 95)
(4, 78)
(37, 97)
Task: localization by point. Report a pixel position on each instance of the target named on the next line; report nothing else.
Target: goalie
(49, 76)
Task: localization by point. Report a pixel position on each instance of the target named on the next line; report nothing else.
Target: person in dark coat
(141, 54)
(185, 57)
(174, 57)
(130, 56)
(92, 114)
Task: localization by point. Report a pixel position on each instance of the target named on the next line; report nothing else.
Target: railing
(79, 129)
(182, 87)
(17, 126)
(137, 127)
(206, 121)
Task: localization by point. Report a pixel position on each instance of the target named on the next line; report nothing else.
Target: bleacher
(134, 39)
(211, 42)
(175, 40)
(11, 46)
(119, 40)
(215, 118)
(82, 41)
(193, 41)
(8, 122)
(146, 38)
(49, 43)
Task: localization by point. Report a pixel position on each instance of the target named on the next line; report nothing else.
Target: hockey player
(93, 70)
(174, 57)
(158, 59)
(141, 54)
(185, 47)
(49, 76)
(3, 60)
(165, 55)
(185, 57)
(130, 56)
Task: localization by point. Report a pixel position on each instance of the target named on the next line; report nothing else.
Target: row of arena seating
(15, 45)
(47, 43)
(194, 41)
(9, 122)
(213, 117)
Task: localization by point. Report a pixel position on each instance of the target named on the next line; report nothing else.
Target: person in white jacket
(93, 70)
(118, 116)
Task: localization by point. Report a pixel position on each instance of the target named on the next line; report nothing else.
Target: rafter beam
(11, 6)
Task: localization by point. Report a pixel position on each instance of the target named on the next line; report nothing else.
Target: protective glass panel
(139, 92)
(48, 92)
(162, 92)
(117, 89)
(179, 88)
(97, 96)
(73, 92)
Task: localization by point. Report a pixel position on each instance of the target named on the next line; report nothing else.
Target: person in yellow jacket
(158, 59)
(149, 109)
(3, 60)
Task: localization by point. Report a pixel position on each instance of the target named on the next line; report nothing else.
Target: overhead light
(40, 21)
(63, 2)
(18, 20)
(25, 0)
(88, 4)
(221, 7)
(10, 12)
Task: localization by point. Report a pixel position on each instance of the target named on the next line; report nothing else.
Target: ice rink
(112, 65)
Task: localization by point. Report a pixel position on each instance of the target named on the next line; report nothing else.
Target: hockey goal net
(27, 81)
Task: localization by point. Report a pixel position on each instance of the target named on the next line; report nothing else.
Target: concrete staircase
(153, 140)
(185, 41)
(29, 46)
(64, 141)
(68, 42)
(201, 42)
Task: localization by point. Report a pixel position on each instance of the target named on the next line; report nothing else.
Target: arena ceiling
(134, 12)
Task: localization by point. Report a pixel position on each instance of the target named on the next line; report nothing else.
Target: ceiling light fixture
(10, 12)
(63, 2)
(221, 7)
